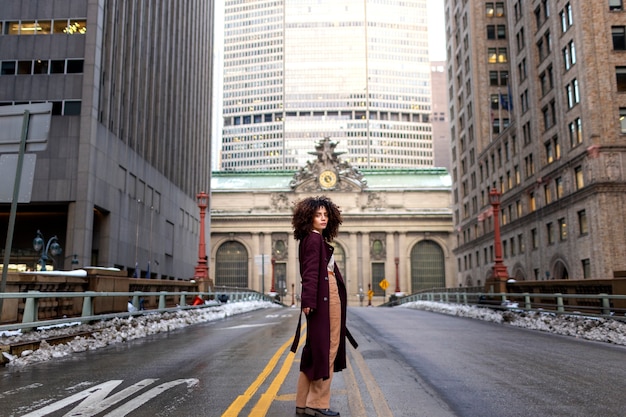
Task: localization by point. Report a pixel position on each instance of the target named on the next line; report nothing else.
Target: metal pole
(16, 193)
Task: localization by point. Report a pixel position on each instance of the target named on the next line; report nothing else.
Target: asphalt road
(409, 363)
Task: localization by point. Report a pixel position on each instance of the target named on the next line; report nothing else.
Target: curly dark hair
(304, 212)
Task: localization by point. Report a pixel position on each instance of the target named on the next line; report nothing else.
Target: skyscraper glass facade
(297, 71)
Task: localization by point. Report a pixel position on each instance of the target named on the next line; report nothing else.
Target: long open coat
(314, 256)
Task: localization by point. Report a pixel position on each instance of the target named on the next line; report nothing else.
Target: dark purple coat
(314, 255)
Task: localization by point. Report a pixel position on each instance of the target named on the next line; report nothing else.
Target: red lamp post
(397, 262)
(500, 273)
(202, 269)
(273, 289)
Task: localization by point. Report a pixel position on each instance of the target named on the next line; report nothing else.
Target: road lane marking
(263, 405)
(241, 401)
(378, 398)
(245, 326)
(355, 401)
(137, 402)
(97, 393)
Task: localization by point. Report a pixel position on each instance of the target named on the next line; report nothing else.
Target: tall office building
(130, 86)
(296, 72)
(440, 119)
(537, 105)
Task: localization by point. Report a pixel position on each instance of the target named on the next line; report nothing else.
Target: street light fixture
(52, 247)
(201, 273)
(500, 273)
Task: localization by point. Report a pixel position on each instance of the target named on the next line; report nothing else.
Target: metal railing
(31, 304)
(601, 305)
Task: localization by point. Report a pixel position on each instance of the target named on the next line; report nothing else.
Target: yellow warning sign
(383, 284)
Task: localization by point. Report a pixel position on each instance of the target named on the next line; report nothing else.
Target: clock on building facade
(328, 179)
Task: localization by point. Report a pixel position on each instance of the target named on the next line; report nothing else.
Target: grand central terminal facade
(396, 237)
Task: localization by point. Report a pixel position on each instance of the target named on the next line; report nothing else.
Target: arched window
(231, 265)
(427, 266)
(340, 259)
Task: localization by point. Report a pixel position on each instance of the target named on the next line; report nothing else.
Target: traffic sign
(383, 284)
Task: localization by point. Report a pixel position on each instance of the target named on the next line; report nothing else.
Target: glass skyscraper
(297, 71)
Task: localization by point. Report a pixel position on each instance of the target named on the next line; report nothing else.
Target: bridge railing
(184, 301)
(601, 305)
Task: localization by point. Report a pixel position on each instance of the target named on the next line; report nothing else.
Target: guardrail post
(182, 299)
(31, 308)
(162, 300)
(464, 298)
(87, 304)
(527, 304)
(606, 304)
(502, 298)
(136, 300)
(559, 302)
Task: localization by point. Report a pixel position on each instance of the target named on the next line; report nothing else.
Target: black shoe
(300, 412)
(321, 412)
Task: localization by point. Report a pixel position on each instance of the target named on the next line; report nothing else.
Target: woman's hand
(307, 310)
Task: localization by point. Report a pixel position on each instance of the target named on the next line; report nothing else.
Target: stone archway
(560, 270)
(427, 266)
(231, 265)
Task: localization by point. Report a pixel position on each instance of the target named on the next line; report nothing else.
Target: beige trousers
(316, 394)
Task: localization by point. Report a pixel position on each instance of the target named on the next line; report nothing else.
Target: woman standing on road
(316, 222)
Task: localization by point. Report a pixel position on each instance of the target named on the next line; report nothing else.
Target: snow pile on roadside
(117, 330)
(585, 327)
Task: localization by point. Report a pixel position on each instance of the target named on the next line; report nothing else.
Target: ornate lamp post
(52, 247)
(201, 272)
(398, 292)
(500, 273)
(273, 289)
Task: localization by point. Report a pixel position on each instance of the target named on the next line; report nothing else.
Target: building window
(530, 166)
(619, 37)
(534, 238)
(586, 268)
(569, 55)
(559, 187)
(493, 78)
(562, 230)
(71, 107)
(489, 9)
(622, 119)
(8, 68)
(583, 227)
(547, 191)
(576, 131)
(550, 234)
(567, 18)
(579, 180)
(501, 32)
(620, 76)
(615, 5)
(532, 202)
(573, 95)
(549, 152)
(520, 243)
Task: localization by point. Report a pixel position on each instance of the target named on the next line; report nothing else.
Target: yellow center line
(240, 402)
(355, 401)
(263, 405)
(378, 398)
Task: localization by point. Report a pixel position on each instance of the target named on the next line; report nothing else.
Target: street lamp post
(500, 273)
(52, 247)
(273, 289)
(398, 292)
(201, 273)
